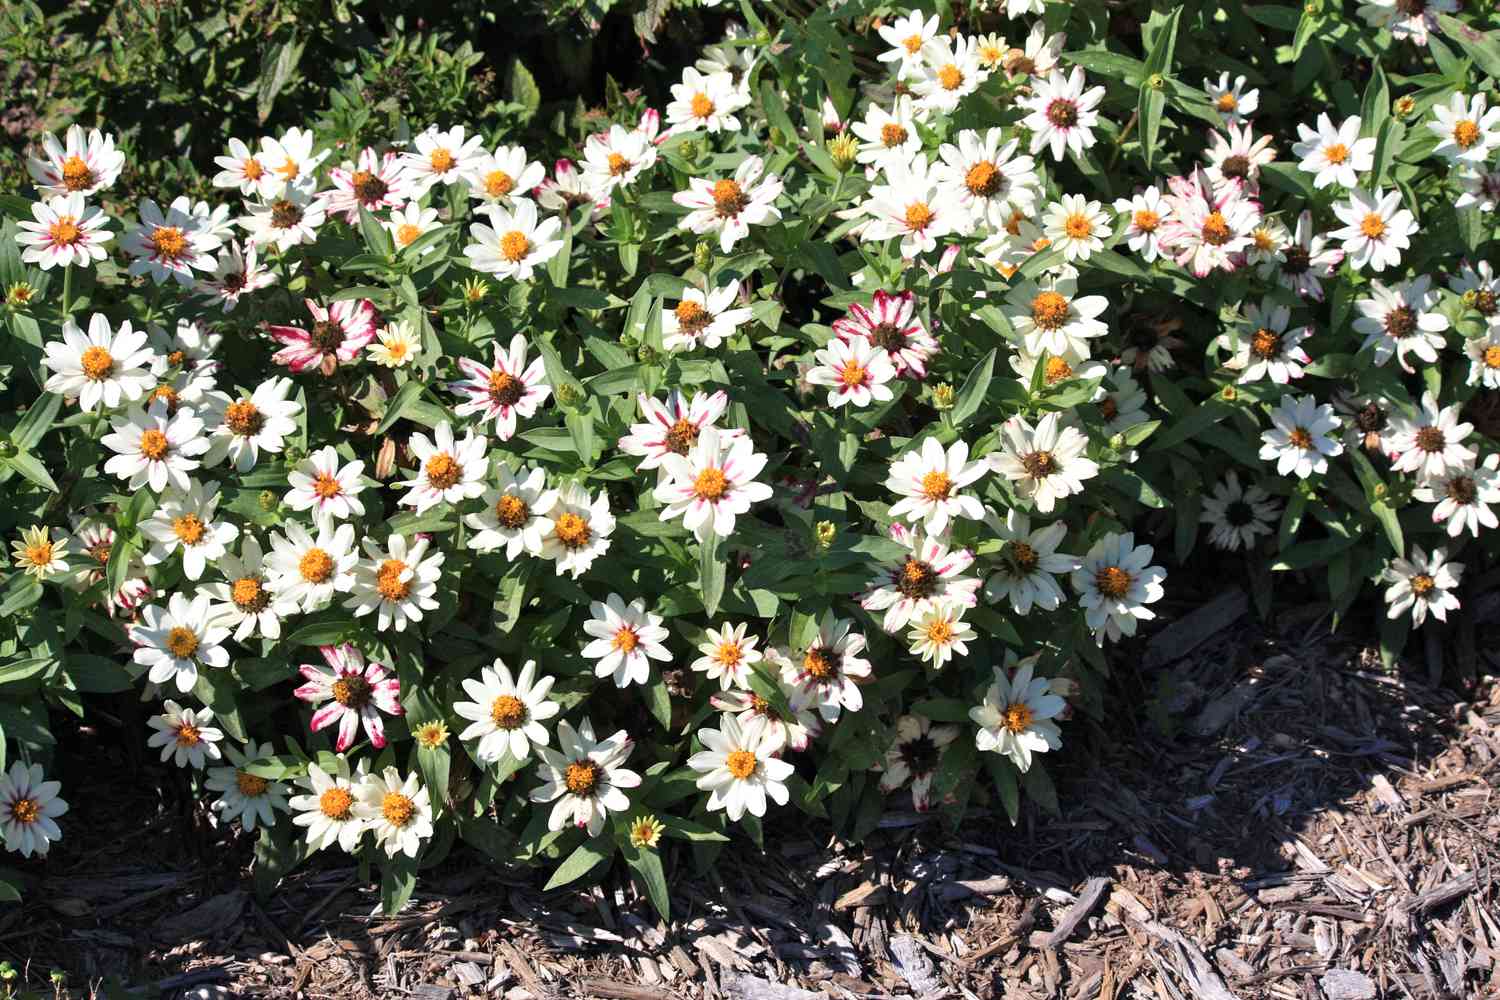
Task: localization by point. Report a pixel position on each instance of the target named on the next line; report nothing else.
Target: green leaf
(521, 88)
(1375, 107)
(1210, 412)
(659, 699)
(588, 856)
(971, 395)
(20, 593)
(8, 892)
(1152, 99)
(1481, 46)
(323, 633)
(398, 404)
(376, 236)
(277, 69)
(647, 864)
(37, 422)
(942, 709)
(711, 572)
(30, 469)
(1003, 772)
(398, 880)
(96, 674)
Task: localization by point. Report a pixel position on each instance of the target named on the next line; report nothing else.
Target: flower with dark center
(582, 777)
(352, 691)
(682, 435)
(285, 214)
(1063, 114)
(1235, 166)
(505, 388)
(1265, 343)
(1039, 464)
(1401, 322)
(919, 755)
(820, 663)
(917, 579)
(326, 336)
(1297, 261)
(1431, 439)
(367, 187)
(729, 198)
(1461, 490)
(1113, 582)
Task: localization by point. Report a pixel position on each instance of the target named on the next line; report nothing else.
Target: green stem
(67, 291)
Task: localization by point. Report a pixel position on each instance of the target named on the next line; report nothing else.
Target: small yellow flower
(431, 735)
(37, 554)
(645, 831)
(476, 289)
(398, 344)
(942, 396)
(827, 531)
(843, 150)
(19, 295)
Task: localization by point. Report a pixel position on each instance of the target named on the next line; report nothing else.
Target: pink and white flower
(929, 576)
(673, 427)
(83, 163)
(731, 205)
(374, 182)
(447, 470)
(712, 484)
(508, 389)
(891, 323)
(338, 333)
(856, 372)
(356, 694)
(1208, 231)
(325, 487)
(65, 232)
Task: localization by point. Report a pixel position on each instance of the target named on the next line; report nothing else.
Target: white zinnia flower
(585, 777)
(703, 319)
(1146, 211)
(951, 72)
(1115, 583)
(1376, 228)
(440, 157)
(887, 137)
(1046, 463)
(829, 672)
(856, 372)
(732, 205)
(184, 735)
(929, 575)
(580, 529)
(1266, 348)
(171, 244)
(1238, 514)
(729, 656)
(1028, 563)
(185, 520)
(1334, 155)
(1463, 497)
(103, 368)
(713, 484)
(65, 233)
(914, 757)
(1016, 717)
(1402, 317)
(448, 470)
(1076, 226)
(247, 797)
(1054, 318)
(327, 810)
(739, 768)
(29, 807)
(1233, 103)
(243, 601)
(626, 639)
(505, 172)
(914, 204)
(939, 632)
(1466, 130)
(514, 243)
(242, 429)
(330, 490)
(909, 37)
(929, 481)
(152, 448)
(704, 101)
(290, 220)
(1429, 444)
(173, 642)
(1063, 114)
(306, 571)
(1422, 585)
(83, 163)
(515, 514)
(398, 811)
(398, 583)
(505, 391)
(507, 712)
(1303, 435)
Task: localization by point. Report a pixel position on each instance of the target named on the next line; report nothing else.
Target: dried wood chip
(738, 986)
(1346, 984)
(616, 990)
(912, 963)
(208, 918)
(1093, 891)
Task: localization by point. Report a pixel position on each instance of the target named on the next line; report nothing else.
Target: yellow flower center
(1112, 581)
(1373, 226)
(252, 169)
(168, 242)
(441, 160)
(1422, 584)
(1023, 555)
(248, 594)
(740, 763)
(692, 318)
(181, 642)
(508, 712)
(498, 183)
(154, 444)
(729, 198)
(682, 435)
(397, 809)
(581, 777)
(336, 803)
(1492, 356)
(1264, 240)
(1146, 220)
(96, 363)
(1055, 370)
(39, 554)
(572, 530)
(730, 653)
(1017, 717)
(702, 106)
(65, 231)
(251, 786)
(188, 735)
(511, 511)
(919, 216)
(288, 169)
(388, 581)
(853, 374)
(1336, 153)
(626, 639)
(99, 552)
(893, 134)
(1049, 310)
(983, 180)
(1300, 437)
(316, 566)
(1216, 230)
(1265, 343)
(912, 44)
(950, 77)
(1465, 133)
(243, 418)
(351, 691)
(164, 393)
(26, 811)
(514, 245)
(443, 471)
(406, 234)
(819, 664)
(1227, 103)
(76, 175)
(618, 165)
(1078, 226)
(710, 485)
(189, 529)
(939, 632)
(326, 486)
(936, 485)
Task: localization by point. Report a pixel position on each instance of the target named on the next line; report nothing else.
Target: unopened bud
(569, 394)
(1403, 106)
(825, 533)
(268, 501)
(1229, 394)
(703, 255)
(647, 355)
(475, 289)
(942, 396)
(1156, 81)
(844, 149)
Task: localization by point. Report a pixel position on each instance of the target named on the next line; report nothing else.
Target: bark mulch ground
(1272, 815)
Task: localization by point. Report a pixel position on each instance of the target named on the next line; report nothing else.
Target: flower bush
(796, 440)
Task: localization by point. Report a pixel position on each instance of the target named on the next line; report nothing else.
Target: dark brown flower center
(917, 580)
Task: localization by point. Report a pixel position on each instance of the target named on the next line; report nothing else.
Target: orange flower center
(251, 786)
(1265, 343)
(626, 639)
(154, 444)
(40, 554)
(582, 777)
(853, 374)
(441, 160)
(710, 485)
(406, 234)
(181, 642)
(1336, 153)
(1049, 310)
(918, 579)
(1023, 555)
(729, 198)
(336, 803)
(692, 318)
(572, 530)
(1146, 220)
(96, 363)
(702, 106)
(285, 213)
(1373, 226)
(388, 581)
(326, 486)
(1227, 103)
(618, 165)
(288, 169)
(936, 485)
(168, 242)
(1422, 584)
(730, 653)
(740, 763)
(1055, 370)
(243, 418)
(188, 735)
(26, 811)
(351, 691)
(912, 44)
(252, 169)
(508, 711)
(65, 231)
(443, 471)
(248, 594)
(950, 77)
(511, 511)
(983, 180)
(820, 664)
(367, 187)
(189, 529)
(1492, 356)
(919, 216)
(1466, 133)
(893, 134)
(1017, 717)
(316, 566)
(498, 183)
(682, 436)
(1112, 581)
(939, 632)
(514, 245)
(76, 175)
(1078, 226)
(397, 809)
(1300, 437)
(1216, 230)
(1039, 464)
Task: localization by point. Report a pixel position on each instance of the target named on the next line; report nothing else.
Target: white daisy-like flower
(1481, 189)
(713, 484)
(1237, 514)
(1479, 289)
(731, 205)
(1399, 318)
(1266, 349)
(581, 527)
(185, 521)
(1304, 262)
(356, 693)
(914, 756)
(447, 470)
(887, 137)
(985, 177)
(1146, 211)
(102, 368)
(1268, 241)
(29, 807)
(891, 323)
(951, 72)
(1054, 318)
(396, 345)
(856, 372)
(153, 448)
(928, 576)
(1028, 563)
(1463, 497)
(440, 157)
(1037, 57)
(673, 427)
(509, 389)
(796, 729)
(627, 638)
(65, 232)
(175, 641)
(291, 158)
(1045, 463)
(289, 220)
(1303, 436)
(325, 487)
(244, 796)
(243, 171)
(1208, 230)
(507, 712)
(1232, 101)
(184, 735)
(327, 810)
(729, 656)
(1484, 359)
(1123, 403)
(237, 272)
(909, 38)
(739, 767)
(397, 810)
(830, 669)
(1422, 585)
(242, 602)
(514, 243)
(1334, 155)
(610, 160)
(515, 515)
(398, 582)
(585, 777)
(1431, 442)
(1062, 113)
(170, 244)
(1017, 716)
(83, 163)
(1467, 131)
(410, 223)
(1076, 226)
(703, 319)
(705, 102)
(374, 182)
(913, 204)
(1406, 20)
(499, 175)
(243, 428)
(938, 633)
(37, 554)
(1235, 159)
(306, 571)
(1376, 228)
(1115, 583)
(929, 481)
